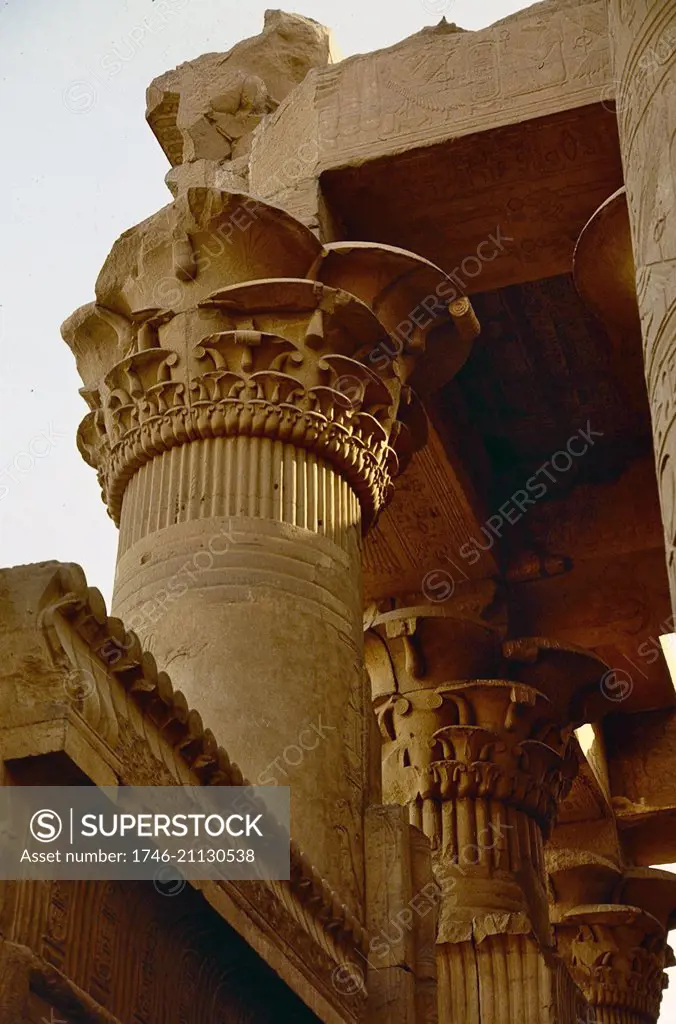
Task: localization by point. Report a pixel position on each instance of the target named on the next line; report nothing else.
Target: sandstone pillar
(643, 39)
(477, 743)
(611, 926)
(248, 413)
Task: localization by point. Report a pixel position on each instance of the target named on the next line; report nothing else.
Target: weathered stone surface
(257, 380)
(204, 112)
(403, 901)
(249, 409)
(643, 35)
(611, 924)
(443, 82)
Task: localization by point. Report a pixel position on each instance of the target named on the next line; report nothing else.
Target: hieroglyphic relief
(147, 958)
(440, 83)
(644, 39)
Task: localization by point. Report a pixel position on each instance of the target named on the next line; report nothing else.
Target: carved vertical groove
(617, 1015)
(506, 978)
(233, 477)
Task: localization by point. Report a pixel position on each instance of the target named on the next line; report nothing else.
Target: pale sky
(80, 166)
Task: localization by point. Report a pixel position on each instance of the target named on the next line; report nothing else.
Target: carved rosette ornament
(478, 743)
(248, 413)
(611, 928)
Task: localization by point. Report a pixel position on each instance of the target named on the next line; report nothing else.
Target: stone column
(611, 927)
(477, 743)
(248, 414)
(643, 40)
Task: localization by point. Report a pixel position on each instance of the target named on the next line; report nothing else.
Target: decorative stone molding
(239, 385)
(120, 653)
(611, 927)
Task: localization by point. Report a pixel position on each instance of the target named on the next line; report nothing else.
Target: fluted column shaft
(239, 565)
(643, 40)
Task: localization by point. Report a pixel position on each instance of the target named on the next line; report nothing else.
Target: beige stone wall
(643, 37)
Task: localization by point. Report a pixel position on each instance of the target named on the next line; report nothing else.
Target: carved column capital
(477, 734)
(222, 317)
(611, 927)
(465, 713)
(478, 742)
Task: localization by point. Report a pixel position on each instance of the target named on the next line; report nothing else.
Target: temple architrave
(383, 404)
